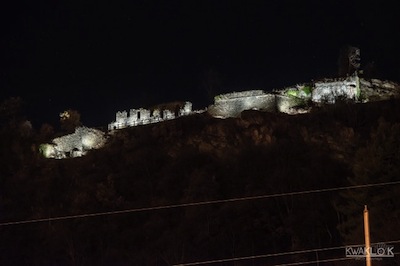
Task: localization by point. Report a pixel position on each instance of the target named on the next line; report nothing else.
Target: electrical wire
(290, 264)
(315, 261)
(193, 204)
(283, 254)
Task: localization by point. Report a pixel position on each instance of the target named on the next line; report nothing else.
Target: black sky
(100, 57)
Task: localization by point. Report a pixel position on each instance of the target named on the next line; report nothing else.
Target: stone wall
(232, 104)
(329, 91)
(291, 100)
(288, 104)
(144, 116)
(236, 95)
(74, 145)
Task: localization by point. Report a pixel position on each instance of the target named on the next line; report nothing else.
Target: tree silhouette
(69, 120)
(378, 162)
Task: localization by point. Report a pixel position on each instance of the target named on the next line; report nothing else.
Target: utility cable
(281, 254)
(193, 204)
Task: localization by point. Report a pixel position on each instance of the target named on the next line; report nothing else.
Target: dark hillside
(198, 159)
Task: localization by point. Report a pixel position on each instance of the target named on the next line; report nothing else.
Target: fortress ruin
(76, 144)
(300, 98)
(291, 100)
(144, 116)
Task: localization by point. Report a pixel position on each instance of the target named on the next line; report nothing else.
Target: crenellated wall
(144, 116)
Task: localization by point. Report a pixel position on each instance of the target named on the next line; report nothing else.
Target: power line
(281, 254)
(315, 261)
(312, 262)
(193, 204)
(254, 257)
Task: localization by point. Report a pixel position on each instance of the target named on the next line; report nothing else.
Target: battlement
(145, 116)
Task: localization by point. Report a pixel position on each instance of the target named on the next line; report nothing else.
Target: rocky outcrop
(378, 90)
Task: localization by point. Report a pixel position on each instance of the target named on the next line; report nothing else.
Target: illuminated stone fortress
(291, 100)
(300, 98)
(144, 116)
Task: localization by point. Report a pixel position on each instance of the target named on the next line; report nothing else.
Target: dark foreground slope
(202, 159)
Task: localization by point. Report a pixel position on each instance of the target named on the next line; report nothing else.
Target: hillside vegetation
(200, 159)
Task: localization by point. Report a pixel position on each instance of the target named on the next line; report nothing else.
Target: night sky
(99, 58)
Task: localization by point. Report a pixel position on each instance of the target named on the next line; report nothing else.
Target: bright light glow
(74, 145)
(47, 150)
(88, 141)
(64, 115)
